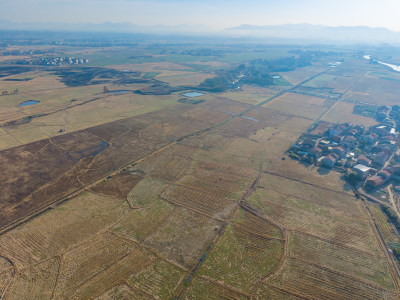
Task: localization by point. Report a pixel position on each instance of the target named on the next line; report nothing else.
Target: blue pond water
(193, 94)
(29, 102)
(119, 92)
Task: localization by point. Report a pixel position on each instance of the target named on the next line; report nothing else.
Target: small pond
(193, 94)
(29, 102)
(119, 92)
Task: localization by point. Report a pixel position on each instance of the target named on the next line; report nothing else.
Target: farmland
(118, 186)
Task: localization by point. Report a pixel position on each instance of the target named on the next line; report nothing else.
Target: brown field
(373, 89)
(123, 292)
(340, 79)
(359, 265)
(118, 186)
(387, 231)
(342, 112)
(328, 223)
(250, 94)
(249, 250)
(175, 232)
(84, 156)
(201, 288)
(289, 103)
(159, 279)
(315, 176)
(299, 75)
(314, 282)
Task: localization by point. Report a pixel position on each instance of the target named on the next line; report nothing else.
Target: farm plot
(200, 201)
(387, 231)
(118, 186)
(159, 279)
(299, 105)
(315, 219)
(315, 194)
(342, 112)
(375, 90)
(269, 292)
(359, 265)
(250, 94)
(35, 282)
(217, 103)
(252, 121)
(60, 229)
(340, 79)
(300, 74)
(249, 249)
(222, 180)
(145, 192)
(124, 292)
(110, 277)
(200, 288)
(314, 282)
(311, 175)
(170, 165)
(175, 232)
(88, 259)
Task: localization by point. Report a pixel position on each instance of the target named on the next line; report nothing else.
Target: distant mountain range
(319, 32)
(104, 27)
(305, 32)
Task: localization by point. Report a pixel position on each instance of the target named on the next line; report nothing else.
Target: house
(381, 158)
(339, 151)
(308, 144)
(362, 171)
(396, 169)
(362, 160)
(373, 182)
(349, 141)
(371, 138)
(382, 130)
(385, 174)
(329, 161)
(316, 152)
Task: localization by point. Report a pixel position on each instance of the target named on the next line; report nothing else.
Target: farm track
(391, 261)
(13, 268)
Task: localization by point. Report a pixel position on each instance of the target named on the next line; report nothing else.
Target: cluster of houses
(364, 151)
(55, 61)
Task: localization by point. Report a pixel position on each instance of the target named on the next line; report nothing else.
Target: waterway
(393, 67)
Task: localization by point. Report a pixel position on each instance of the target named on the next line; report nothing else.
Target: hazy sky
(213, 13)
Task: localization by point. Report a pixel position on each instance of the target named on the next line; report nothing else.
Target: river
(393, 67)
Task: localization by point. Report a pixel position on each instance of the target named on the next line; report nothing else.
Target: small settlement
(370, 157)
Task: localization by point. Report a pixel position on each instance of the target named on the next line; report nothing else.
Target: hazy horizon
(217, 15)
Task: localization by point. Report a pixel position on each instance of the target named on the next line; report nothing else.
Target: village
(368, 156)
(54, 61)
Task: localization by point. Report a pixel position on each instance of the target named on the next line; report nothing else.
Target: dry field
(342, 112)
(340, 78)
(250, 94)
(299, 105)
(250, 249)
(375, 89)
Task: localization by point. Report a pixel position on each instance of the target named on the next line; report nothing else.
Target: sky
(212, 13)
